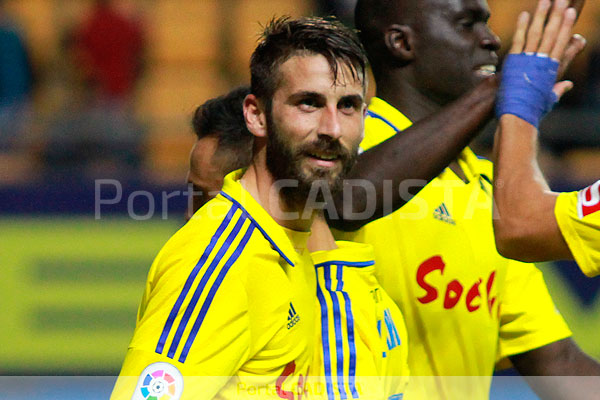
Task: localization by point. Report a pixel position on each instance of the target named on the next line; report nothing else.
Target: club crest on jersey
(293, 317)
(589, 200)
(159, 381)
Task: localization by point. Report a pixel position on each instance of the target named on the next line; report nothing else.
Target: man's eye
(348, 105)
(467, 23)
(307, 104)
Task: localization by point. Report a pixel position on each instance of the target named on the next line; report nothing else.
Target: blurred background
(96, 98)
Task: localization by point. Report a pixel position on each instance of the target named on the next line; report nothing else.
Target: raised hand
(550, 36)
(541, 44)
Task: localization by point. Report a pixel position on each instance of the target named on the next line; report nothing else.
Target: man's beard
(285, 163)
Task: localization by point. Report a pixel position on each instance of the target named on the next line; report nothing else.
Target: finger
(577, 5)
(519, 39)
(561, 88)
(576, 45)
(537, 26)
(564, 35)
(554, 27)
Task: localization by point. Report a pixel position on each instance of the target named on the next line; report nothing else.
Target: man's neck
(261, 185)
(414, 104)
(405, 97)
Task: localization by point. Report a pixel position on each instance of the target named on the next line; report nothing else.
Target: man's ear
(399, 40)
(254, 114)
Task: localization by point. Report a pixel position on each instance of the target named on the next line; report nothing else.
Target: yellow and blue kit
(578, 216)
(228, 310)
(465, 306)
(362, 341)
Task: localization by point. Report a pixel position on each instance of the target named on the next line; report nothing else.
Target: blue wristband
(526, 87)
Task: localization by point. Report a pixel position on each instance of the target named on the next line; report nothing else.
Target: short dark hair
(371, 18)
(284, 37)
(223, 117)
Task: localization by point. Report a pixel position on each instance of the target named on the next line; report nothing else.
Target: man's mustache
(327, 147)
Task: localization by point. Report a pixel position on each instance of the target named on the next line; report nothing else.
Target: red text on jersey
(455, 289)
(289, 369)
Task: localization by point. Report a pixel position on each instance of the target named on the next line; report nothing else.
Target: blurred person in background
(16, 80)
(224, 144)
(109, 50)
(99, 128)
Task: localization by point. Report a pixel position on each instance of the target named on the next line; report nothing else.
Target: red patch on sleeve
(589, 200)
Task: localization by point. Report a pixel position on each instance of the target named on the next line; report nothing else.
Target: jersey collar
(381, 109)
(270, 229)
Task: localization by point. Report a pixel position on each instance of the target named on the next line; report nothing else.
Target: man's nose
(330, 123)
(490, 40)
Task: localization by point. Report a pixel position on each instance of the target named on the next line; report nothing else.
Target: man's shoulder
(221, 234)
(382, 122)
(481, 165)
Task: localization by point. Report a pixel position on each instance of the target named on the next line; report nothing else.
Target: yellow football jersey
(465, 306)
(228, 310)
(578, 216)
(361, 336)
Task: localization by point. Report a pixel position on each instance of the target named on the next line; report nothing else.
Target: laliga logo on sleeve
(159, 381)
(589, 200)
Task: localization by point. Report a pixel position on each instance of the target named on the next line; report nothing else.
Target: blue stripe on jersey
(350, 329)
(375, 115)
(190, 280)
(379, 330)
(339, 339)
(346, 264)
(237, 203)
(205, 277)
(325, 339)
(393, 339)
(213, 290)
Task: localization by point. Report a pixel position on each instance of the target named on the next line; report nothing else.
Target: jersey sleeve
(578, 217)
(193, 326)
(350, 353)
(528, 316)
(339, 350)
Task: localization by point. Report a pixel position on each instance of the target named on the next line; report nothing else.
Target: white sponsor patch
(589, 200)
(159, 381)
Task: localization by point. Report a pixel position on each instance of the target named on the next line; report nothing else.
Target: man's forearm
(419, 153)
(525, 226)
(556, 371)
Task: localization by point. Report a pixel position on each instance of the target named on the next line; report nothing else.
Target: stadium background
(71, 281)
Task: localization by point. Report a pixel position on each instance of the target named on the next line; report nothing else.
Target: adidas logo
(441, 213)
(293, 317)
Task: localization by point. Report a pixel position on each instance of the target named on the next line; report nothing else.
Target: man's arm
(550, 369)
(420, 153)
(526, 228)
